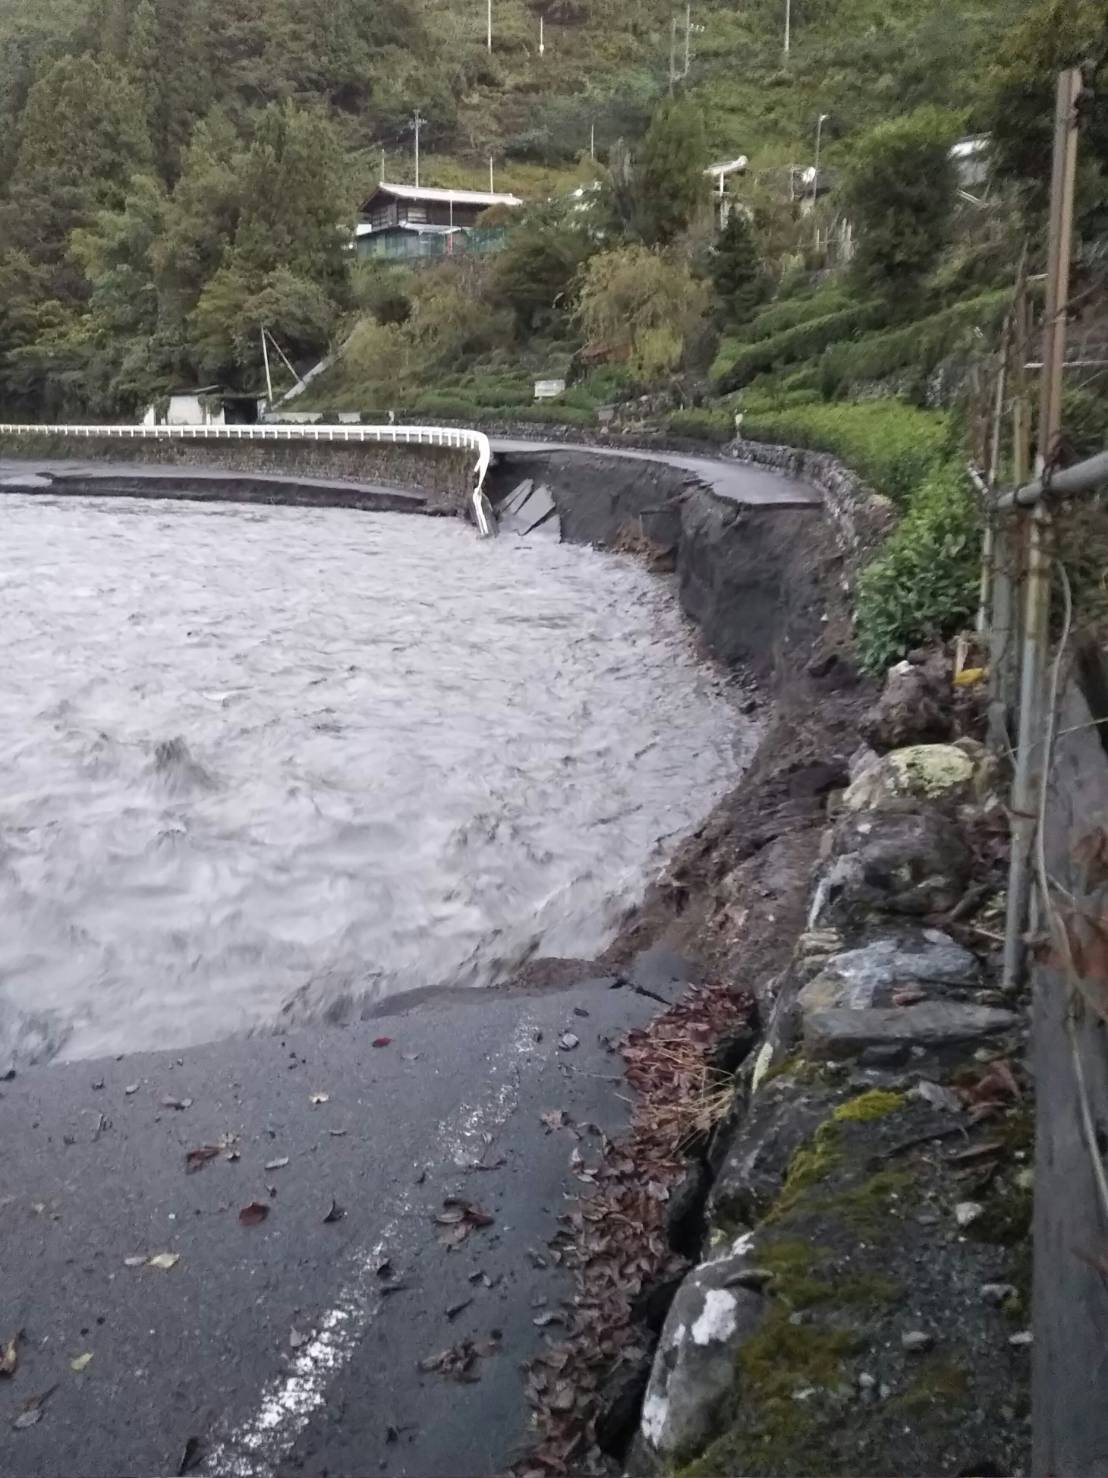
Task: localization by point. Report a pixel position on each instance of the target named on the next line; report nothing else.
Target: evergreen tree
(736, 270)
(670, 184)
(900, 192)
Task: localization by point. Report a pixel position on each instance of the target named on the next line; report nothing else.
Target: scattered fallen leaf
(336, 1133)
(579, 1011)
(298, 1338)
(567, 1041)
(455, 1309)
(277, 1164)
(319, 1098)
(138, 1260)
(196, 1159)
(382, 1041)
(131, 1088)
(81, 1362)
(384, 1268)
(547, 1317)
(336, 1212)
(31, 1411)
(458, 1361)
(190, 1457)
(164, 1260)
(554, 1119)
(9, 1355)
(98, 1083)
(459, 1218)
(176, 1103)
(253, 1214)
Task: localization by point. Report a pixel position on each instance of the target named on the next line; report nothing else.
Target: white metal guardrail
(441, 436)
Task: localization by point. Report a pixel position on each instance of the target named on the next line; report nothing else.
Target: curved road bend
(732, 479)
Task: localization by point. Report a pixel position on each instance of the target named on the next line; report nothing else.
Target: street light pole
(418, 125)
(542, 35)
(788, 25)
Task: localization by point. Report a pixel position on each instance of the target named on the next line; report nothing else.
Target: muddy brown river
(262, 762)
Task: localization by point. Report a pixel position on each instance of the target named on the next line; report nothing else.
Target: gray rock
(946, 774)
(912, 708)
(924, 960)
(997, 1293)
(915, 1341)
(781, 1117)
(692, 1384)
(933, 1024)
(912, 863)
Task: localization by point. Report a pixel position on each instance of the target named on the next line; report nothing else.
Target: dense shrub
(923, 585)
(891, 445)
(702, 425)
(788, 312)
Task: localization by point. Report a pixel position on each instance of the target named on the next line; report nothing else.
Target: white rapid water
(261, 760)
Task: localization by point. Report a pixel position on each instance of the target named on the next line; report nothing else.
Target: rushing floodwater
(254, 757)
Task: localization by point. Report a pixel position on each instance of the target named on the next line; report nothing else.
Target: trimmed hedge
(924, 583)
(891, 445)
(919, 346)
(805, 341)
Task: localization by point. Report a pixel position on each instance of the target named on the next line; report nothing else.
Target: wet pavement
(292, 1347)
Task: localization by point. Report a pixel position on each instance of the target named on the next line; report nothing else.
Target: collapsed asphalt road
(291, 1345)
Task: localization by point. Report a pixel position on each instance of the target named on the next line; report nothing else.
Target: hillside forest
(175, 174)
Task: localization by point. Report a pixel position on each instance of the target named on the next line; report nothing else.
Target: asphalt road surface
(738, 481)
(291, 1347)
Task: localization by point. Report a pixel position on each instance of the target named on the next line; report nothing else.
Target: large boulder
(692, 1384)
(896, 968)
(951, 774)
(781, 1117)
(911, 863)
(913, 708)
(932, 1026)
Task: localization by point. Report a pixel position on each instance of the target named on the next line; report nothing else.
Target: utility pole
(672, 54)
(592, 141)
(1029, 778)
(268, 376)
(542, 35)
(490, 26)
(419, 122)
(688, 37)
(492, 182)
(788, 25)
(382, 166)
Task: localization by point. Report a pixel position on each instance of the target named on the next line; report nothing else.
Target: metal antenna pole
(1029, 777)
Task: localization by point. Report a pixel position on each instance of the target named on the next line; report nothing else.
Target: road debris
(278, 1164)
(458, 1362)
(30, 1413)
(253, 1214)
(190, 1457)
(9, 1355)
(163, 1260)
(315, 1098)
(196, 1159)
(180, 1104)
(382, 1041)
(568, 1041)
(455, 1309)
(336, 1212)
(81, 1362)
(458, 1219)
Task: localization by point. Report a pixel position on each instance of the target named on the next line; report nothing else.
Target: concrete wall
(444, 473)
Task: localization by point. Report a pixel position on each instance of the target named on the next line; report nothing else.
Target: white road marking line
(288, 1403)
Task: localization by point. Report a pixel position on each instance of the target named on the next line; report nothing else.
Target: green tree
(535, 272)
(670, 187)
(900, 191)
(1018, 104)
(643, 307)
(736, 270)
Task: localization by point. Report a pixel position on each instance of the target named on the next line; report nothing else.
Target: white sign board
(549, 389)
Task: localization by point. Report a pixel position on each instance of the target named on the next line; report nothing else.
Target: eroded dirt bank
(853, 1202)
